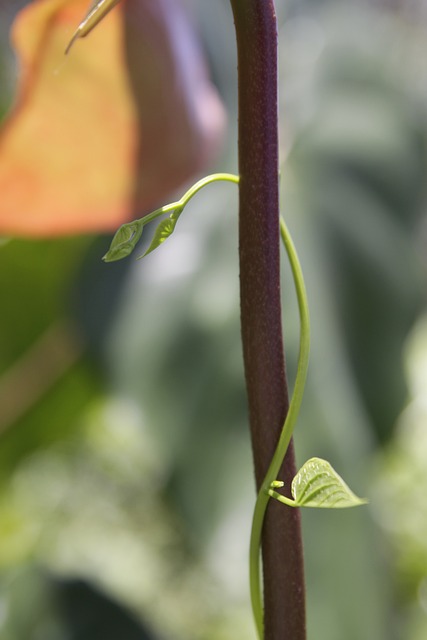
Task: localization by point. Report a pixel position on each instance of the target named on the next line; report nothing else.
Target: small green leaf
(162, 233)
(124, 241)
(317, 484)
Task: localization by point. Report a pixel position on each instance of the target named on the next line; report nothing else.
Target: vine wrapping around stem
(316, 484)
(122, 247)
(286, 434)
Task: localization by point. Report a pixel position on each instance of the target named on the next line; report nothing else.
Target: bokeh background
(126, 483)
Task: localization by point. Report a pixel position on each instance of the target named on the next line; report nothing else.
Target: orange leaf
(106, 133)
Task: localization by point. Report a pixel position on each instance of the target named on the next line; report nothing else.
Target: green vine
(130, 233)
(316, 484)
(287, 430)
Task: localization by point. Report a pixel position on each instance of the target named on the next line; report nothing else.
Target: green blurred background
(126, 483)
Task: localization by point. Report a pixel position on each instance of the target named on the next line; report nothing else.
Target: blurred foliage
(94, 154)
(363, 167)
(126, 475)
(399, 497)
(35, 281)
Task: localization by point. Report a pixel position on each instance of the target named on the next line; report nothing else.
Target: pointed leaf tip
(317, 484)
(97, 12)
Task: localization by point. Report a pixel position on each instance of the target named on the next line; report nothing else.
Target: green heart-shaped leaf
(317, 484)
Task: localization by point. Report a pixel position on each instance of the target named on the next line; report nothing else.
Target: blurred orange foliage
(104, 134)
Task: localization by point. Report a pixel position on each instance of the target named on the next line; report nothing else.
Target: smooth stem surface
(260, 298)
(286, 434)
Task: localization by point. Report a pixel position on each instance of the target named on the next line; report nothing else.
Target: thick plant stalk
(256, 31)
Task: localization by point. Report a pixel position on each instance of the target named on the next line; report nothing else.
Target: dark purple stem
(256, 31)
